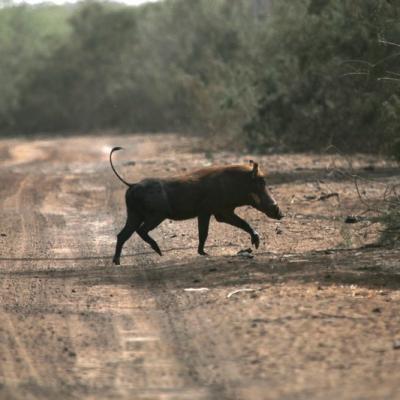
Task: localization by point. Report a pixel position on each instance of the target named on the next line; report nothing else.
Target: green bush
(27, 36)
(261, 73)
(323, 84)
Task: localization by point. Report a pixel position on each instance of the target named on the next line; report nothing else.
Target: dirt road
(319, 317)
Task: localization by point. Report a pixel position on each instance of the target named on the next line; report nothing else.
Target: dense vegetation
(261, 73)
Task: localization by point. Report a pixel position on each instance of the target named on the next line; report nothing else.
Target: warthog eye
(256, 198)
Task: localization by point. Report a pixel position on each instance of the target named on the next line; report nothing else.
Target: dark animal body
(209, 191)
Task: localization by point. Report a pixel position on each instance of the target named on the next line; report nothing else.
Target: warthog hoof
(116, 261)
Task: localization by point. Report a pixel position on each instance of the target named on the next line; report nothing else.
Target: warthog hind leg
(132, 224)
(144, 230)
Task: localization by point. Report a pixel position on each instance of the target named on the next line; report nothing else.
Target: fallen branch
(390, 190)
(230, 294)
(326, 196)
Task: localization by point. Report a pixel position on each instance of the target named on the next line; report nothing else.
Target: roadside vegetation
(268, 75)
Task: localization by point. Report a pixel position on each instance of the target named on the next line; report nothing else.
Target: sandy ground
(315, 314)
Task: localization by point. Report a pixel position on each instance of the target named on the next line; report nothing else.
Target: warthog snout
(262, 197)
(271, 209)
(274, 212)
(265, 203)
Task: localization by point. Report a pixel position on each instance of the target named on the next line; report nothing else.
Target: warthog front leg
(229, 217)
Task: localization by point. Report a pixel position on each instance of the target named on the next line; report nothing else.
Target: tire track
(149, 368)
(21, 350)
(31, 294)
(19, 201)
(201, 351)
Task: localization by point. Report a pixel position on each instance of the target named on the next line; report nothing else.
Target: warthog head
(261, 196)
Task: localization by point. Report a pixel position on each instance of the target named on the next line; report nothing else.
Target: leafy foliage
(325, 84)
(26, 36)
(261, 73)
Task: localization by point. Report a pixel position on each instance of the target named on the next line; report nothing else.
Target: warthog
(209, 191)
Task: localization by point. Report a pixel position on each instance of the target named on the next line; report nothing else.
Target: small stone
(352, 219)
(396, 344)
(248, 250)
(245, 253)
(203, 289)
(377, 310)
(329, 251)
(310, 197)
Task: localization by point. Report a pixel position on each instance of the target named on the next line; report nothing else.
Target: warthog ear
(254, 171)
